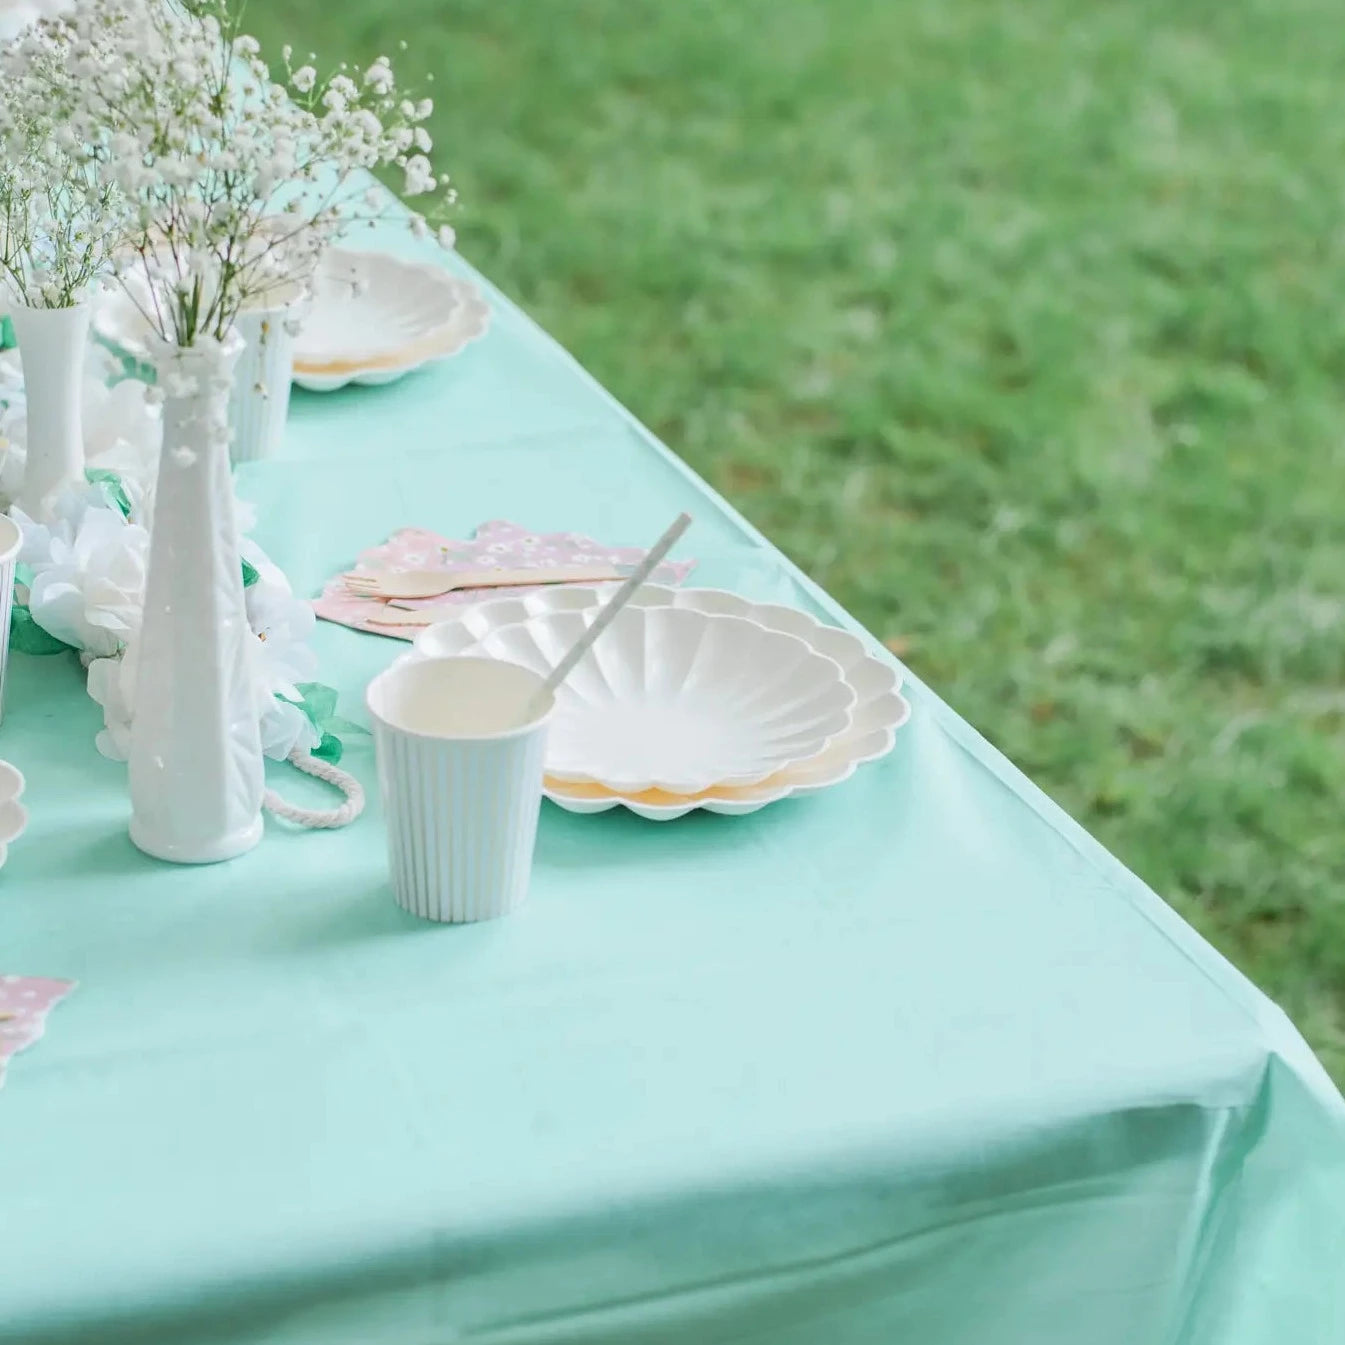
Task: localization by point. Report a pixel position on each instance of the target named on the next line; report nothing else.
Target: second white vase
(196, 769)
(51, 348)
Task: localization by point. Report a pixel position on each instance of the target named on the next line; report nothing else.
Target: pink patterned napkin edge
(25, 1002)
(498, 544)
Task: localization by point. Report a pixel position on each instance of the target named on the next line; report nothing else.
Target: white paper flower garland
(82, 578)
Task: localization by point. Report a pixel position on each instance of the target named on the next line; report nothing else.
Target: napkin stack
(495, 545)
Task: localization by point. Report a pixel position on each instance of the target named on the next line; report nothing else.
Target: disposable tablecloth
(912, 1060)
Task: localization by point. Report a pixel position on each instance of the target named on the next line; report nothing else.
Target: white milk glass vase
(51, 347)
(196, 771)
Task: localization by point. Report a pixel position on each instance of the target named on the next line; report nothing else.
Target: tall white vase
(261, 394)
(196, 771)
(51, 347)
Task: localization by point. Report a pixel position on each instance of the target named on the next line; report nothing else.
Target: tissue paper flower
(111, 684)
(122, 434)
(282, 626)
(13, 815)
(89, 588)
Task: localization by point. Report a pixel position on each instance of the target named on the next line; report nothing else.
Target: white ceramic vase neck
(196, 770)
(51, 347)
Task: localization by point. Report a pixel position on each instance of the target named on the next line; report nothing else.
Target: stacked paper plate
(374, 317)
(696, 698)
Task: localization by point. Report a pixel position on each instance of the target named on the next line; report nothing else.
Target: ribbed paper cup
(260, 402)
(11, 539)
(460, 770)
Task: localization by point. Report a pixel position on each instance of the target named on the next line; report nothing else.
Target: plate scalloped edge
(790, 700)
(849, 650)
(468, 321)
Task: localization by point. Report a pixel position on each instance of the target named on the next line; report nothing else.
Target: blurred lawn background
(1020, 326)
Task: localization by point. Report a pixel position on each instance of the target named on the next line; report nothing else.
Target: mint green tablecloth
(914, 1060)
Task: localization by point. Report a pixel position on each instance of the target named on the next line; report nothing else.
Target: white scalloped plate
(374, 317)
(880, 710)
(678, 700)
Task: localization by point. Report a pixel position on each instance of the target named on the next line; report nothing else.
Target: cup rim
(503, 735)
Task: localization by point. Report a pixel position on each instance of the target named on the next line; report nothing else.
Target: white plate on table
(374, 317)
(879, 711)
(677, 700)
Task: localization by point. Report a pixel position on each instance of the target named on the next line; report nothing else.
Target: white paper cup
(260, 401)
(11, 539)
(460, 769)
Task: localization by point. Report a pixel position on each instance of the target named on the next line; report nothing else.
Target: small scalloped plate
(880, 710)
(678, 700)
(374, 317)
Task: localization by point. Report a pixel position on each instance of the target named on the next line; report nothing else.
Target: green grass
(1021, 326)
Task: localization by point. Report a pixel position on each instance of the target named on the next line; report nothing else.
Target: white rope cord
(318, 817)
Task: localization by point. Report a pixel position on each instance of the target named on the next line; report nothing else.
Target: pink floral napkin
(25, 1002)
(496, 545)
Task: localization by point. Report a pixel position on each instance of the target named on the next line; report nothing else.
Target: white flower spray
(148, 137)
(62, 216)
(237, 181)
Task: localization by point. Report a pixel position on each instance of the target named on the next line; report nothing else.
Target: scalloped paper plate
(374, 317)
(880, 710)
(678, 700)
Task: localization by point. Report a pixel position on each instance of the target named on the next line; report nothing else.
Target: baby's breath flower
(60, 220)
(219, 182)
(379, 77)
(419, 176)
